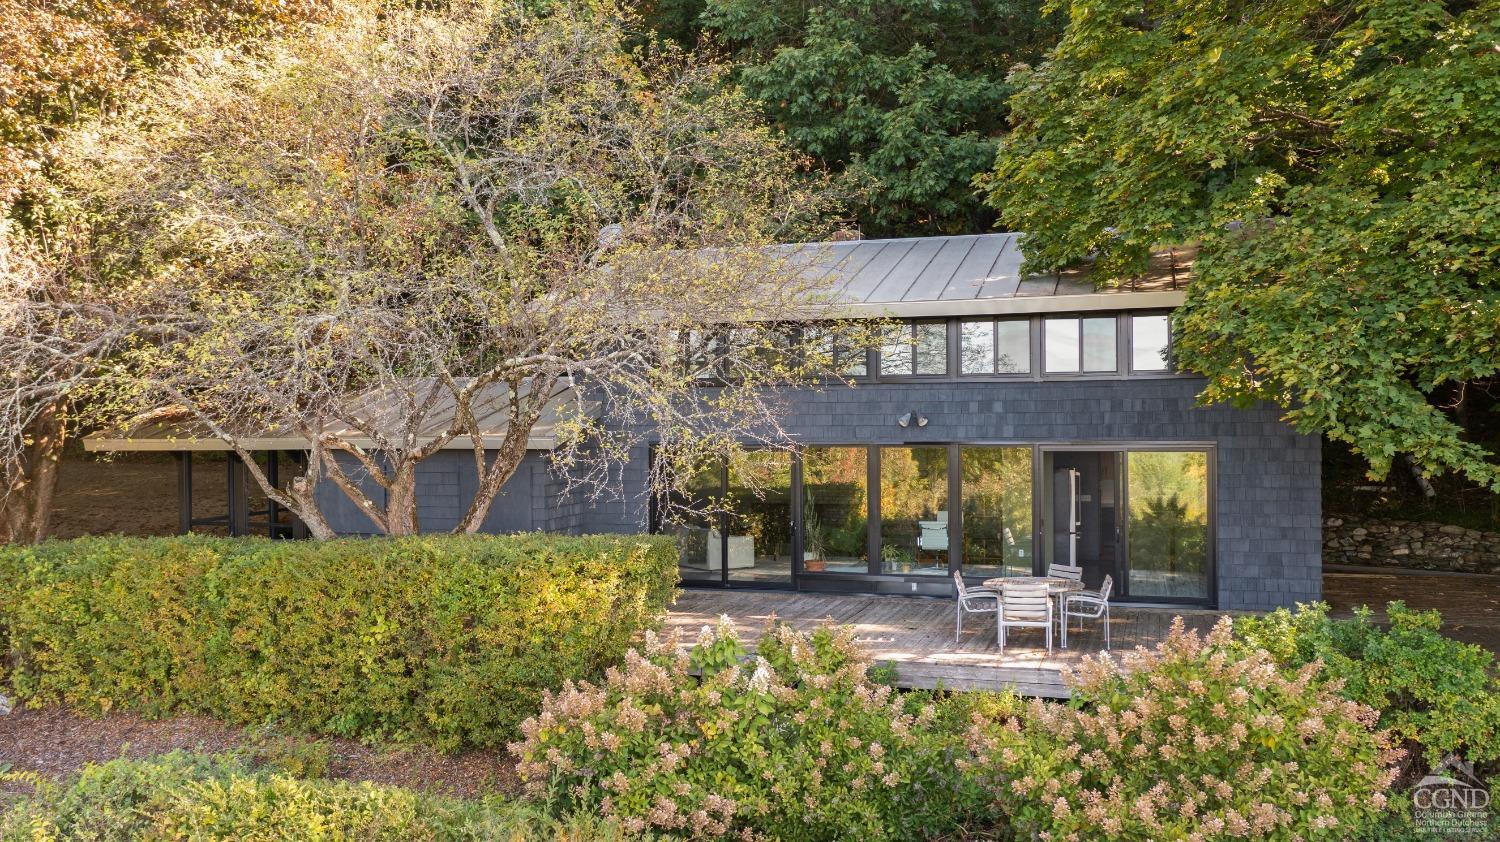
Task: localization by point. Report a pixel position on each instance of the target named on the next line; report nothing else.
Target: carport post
(273, 476)
(239, 501)
(184, 491)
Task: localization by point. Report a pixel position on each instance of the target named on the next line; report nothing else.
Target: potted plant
(813, 554)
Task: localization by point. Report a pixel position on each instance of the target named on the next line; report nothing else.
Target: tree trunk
(401, 502)
(28, 502)
(512, 450)
(500, 471)
(307, 511)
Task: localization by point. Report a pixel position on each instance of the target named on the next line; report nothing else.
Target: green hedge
(448, 639)
(194, 796)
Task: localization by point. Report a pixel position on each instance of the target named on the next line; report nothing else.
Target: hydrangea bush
(1195, 739)
(797, 742)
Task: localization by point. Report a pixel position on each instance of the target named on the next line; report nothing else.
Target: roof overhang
(1017, 306)
(103, 443)
(167, 430)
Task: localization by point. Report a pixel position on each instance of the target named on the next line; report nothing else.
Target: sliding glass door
(914, 511)
(759, 521)
(1140, 515)
(835, 510)
(905, 517)
(1169, 535)
(997, 516)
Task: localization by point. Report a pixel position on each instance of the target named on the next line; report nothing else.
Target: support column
(239, 500)
(273, 511)
(184, 460)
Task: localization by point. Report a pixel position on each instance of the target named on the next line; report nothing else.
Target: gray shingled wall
(446, 484)
(1269, 526)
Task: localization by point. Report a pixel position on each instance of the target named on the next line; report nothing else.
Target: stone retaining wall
(1403, 543)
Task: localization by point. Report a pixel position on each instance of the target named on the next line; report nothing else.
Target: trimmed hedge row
(449, 639)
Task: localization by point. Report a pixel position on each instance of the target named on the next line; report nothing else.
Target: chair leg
(958, 623)
(1106, 627)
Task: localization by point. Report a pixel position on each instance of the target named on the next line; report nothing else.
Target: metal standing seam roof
(172, 431)
(972, 275)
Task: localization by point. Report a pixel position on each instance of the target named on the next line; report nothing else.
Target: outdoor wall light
(907, 419)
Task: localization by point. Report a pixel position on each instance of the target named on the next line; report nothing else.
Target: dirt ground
(56, 742)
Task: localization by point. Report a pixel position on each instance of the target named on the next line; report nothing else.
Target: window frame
(1171, 369)
(994, 322)
(910, 327)
(1083, 372)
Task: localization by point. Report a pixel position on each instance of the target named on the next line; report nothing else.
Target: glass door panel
(996, 492)
(691, 522)
(1169, 540)
(759, 523)
(1083, 518)
(835, 510)
(914, 510)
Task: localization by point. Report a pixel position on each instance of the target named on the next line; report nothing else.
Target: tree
(70, 59)
(45, 346)
(1337, 163)
(904, 97)
(377, 233)
(63, 62)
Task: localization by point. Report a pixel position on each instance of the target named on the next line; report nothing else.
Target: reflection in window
(1149, 343)
(914, 510)
(760, 517)
(1061, 336)
(1074, 345)
(835, 514)
(931, 347)
(916, 348)
(1013, 346)
(840, 359)
(688, 519)
(997, 511)
(988, 346)
(1099, 344)
(1169, 548)
(976, 347)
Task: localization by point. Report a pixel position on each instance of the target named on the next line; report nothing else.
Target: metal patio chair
(972, 601)
(1063, 571)
(1025, 605)
(1088, 605)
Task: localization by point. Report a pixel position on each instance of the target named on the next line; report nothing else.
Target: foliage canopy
(1337, 162)
(904, 97)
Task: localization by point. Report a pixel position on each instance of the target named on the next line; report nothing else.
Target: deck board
(915, 635)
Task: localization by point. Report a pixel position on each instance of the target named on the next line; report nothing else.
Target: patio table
(1056, 586)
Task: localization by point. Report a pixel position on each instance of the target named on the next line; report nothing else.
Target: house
(1025, 420)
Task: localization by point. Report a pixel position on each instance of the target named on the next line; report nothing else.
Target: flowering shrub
(1428, 688)
(1197, 739)
(796, 743)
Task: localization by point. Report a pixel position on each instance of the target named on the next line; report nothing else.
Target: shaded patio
(915, 634)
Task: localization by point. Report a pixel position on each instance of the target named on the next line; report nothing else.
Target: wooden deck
(915, 635)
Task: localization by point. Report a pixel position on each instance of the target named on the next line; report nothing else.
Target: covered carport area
(245, 511)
